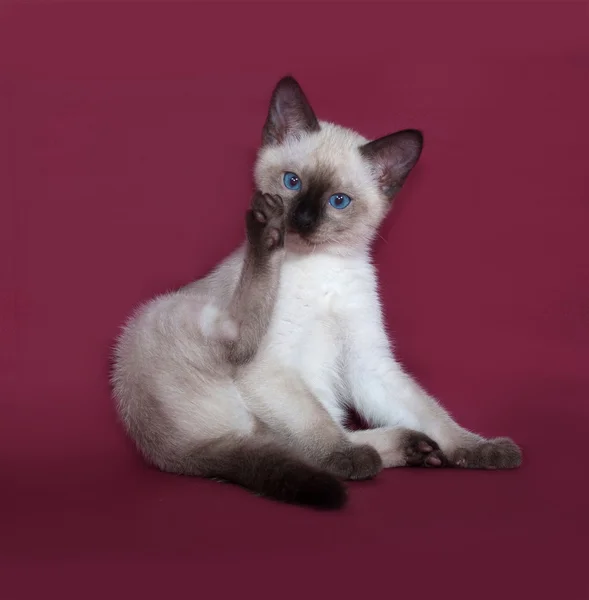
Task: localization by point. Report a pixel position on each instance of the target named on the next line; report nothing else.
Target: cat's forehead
(332, 140)
(332, 152)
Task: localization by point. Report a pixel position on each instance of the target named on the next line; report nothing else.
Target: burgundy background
(127, 135)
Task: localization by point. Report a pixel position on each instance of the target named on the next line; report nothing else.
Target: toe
(421, 451)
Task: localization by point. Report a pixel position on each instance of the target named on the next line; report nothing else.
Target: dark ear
(393, 157)
(289, 113)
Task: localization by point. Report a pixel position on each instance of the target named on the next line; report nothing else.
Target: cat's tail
(267, 470)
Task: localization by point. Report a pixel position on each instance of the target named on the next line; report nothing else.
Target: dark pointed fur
(289, 113)
(393, 157)
(267, 470)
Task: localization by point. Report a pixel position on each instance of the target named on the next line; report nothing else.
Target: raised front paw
(354, 462)
(421, 451)
(498, 453)
(265, 222)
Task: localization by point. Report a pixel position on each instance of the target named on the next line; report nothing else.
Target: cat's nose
(304, 218)
(303, 221)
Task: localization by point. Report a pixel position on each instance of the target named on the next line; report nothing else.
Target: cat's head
(337, 185)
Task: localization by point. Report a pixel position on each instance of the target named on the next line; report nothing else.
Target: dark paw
(354, 462)
(265, 222)
(498, 453)
(422, 451)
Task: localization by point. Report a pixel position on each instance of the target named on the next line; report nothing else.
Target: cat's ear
(392, 157)
(289, 113)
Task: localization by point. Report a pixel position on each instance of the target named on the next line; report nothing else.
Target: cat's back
(180, 322)
(221, 282)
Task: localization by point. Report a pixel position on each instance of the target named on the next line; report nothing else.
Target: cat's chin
(296, 243)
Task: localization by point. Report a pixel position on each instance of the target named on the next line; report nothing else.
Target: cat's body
(247, 374)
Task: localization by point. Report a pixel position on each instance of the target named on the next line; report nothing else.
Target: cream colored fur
(325, 349)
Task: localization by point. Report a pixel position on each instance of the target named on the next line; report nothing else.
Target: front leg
(400, 447)
(413, 429)
(253, 302)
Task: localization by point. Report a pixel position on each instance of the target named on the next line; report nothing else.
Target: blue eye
(291, 181)
(340, 201)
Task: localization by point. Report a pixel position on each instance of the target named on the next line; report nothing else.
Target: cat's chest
(316, 295)
(309, 328)
(314, 289)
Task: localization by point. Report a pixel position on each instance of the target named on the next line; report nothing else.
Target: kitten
(246, 375)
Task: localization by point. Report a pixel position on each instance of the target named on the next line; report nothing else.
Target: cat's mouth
(296, 239)
(304, 244)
